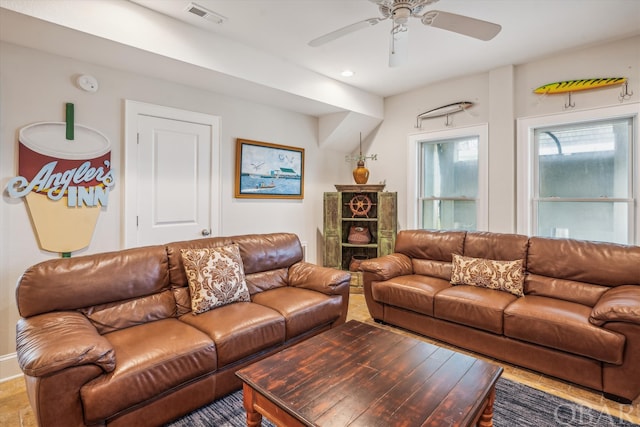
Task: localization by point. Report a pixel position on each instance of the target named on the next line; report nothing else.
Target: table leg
(254, 418)
(486, 419)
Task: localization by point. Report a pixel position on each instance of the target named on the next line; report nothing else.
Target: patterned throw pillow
(500, 275)
(216, 277)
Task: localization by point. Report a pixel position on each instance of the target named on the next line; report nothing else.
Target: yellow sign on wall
(64, 181)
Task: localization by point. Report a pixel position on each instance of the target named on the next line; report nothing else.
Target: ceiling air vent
(205, 13)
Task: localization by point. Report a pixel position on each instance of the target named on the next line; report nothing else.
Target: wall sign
(65, 177)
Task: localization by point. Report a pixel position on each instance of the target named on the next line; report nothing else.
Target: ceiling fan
(399, 11)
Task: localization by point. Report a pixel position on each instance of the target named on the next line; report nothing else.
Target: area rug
(517, 405)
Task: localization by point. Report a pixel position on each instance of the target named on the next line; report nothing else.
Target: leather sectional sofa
(110, 339)
(578, 316)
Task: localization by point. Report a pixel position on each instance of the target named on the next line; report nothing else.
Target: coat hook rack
(624, 93)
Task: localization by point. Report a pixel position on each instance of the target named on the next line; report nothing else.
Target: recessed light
(347, 73)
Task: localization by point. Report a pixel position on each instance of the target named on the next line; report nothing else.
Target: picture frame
(268, 171)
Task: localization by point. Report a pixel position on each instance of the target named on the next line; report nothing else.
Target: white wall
(34, 87)
(501, 96)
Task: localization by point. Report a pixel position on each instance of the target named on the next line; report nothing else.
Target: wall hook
(624, 93)
(569, 104)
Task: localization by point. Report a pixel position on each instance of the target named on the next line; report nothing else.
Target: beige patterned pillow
(216, 277)
(500, 275)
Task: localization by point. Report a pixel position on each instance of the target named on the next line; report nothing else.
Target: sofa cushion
(62, 284)
(264, 252)
(473, 306)
(430, 244)
(562, 325)
(428, 267)
(216, 277)
(183, 300)
(239, 329)
(177, 274)
(124, 314)
(388, 266)
(52, 342)
(302, 309)
(499, 275)
(620, 304)
(151, 359)
(584, 261)
(568, 290)
(413, 292)
(265, 280)
(499, 246)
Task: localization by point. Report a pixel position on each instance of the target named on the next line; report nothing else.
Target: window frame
(527, 170)
(414, 162)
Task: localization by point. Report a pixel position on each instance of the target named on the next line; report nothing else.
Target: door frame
(133, 109)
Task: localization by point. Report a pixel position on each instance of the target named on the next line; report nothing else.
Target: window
(581, 175)
(450, 179)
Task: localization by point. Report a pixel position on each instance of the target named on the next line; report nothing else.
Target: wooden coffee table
(362, 375)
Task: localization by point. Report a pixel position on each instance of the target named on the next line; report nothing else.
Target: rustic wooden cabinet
(362, 206)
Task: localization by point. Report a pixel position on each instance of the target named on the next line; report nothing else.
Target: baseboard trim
(9, 368)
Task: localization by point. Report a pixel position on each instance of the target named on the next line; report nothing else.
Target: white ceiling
(530, 29)
(261, 51)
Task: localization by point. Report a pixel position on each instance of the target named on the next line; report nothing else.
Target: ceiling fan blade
(399, 46)
(344, 31)
(460, 24)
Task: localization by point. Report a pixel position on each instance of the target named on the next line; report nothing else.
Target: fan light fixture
(399, 11)
(401, 15)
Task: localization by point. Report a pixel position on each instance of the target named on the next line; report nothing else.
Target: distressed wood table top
(362, 375)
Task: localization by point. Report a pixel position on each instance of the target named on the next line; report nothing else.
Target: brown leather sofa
(579, 318)
(110, 339)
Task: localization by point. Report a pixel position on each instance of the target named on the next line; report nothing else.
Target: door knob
(206, 232)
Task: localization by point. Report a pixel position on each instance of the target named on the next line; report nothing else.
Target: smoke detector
(205, 13)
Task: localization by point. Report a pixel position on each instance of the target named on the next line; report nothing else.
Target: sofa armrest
(327, 280)
(51, 342)
(388, 266)
(619, 304)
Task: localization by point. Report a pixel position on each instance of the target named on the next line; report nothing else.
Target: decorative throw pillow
(216, 277)
(500, 275)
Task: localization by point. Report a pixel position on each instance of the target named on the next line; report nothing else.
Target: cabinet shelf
(380, 219)
(353, 245)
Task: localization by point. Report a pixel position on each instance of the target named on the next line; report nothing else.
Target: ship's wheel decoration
(360, 205)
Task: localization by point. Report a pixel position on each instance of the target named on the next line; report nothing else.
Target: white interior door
(171, 176)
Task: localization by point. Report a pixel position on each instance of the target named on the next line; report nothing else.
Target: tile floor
(15, 410)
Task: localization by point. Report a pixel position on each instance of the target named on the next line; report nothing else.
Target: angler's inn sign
(65, 177)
